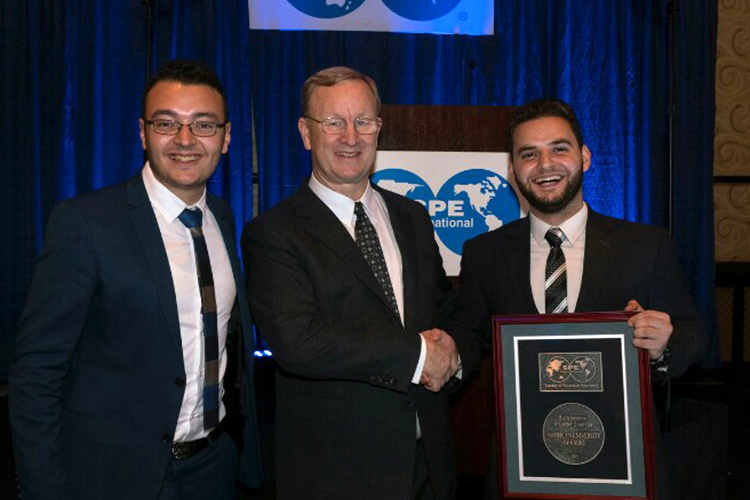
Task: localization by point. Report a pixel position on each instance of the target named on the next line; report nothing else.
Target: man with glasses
(346, 284)
(135, 346)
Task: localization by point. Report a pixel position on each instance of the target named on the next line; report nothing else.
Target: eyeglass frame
(377, 121)
(189, 125)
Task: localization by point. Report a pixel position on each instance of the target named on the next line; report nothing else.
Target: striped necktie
(555, 276)
(193, 220)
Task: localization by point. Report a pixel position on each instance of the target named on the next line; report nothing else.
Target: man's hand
(442, 359)
(651, 329)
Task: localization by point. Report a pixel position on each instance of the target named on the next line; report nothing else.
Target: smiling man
(346, 283)
(135, 346)
(564, 257)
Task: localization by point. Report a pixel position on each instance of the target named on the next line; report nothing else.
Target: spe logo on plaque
(571, 372)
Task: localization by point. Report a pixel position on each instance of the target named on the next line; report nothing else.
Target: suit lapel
(516, 257)
(324, 226)
(596, 263)
(152, 244)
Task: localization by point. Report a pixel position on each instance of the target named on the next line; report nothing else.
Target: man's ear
(586, 157)
(304, 132)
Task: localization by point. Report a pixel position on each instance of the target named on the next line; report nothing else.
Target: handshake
(442, 361)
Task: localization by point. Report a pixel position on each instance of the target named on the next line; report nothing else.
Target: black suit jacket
(622, 261)
(97, 379)
(346, 406)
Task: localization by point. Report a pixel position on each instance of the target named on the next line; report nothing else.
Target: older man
(346, 285)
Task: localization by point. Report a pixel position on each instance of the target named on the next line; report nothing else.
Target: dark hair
(541, 108)
(187, 73)
(331, 76)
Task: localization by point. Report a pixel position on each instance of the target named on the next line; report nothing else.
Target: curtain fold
(74, 71)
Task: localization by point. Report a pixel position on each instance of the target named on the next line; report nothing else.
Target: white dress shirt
(343, 208)
(178, 244)
(573, 247)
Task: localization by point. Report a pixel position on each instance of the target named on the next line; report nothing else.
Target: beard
(558, 203)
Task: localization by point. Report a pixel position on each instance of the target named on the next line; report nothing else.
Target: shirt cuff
(420, 366)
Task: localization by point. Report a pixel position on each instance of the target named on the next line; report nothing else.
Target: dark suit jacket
(97, 380)
(622, 261)
(345, 402)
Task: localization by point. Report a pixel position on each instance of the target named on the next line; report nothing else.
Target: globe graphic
(556, 369)
(404, 183)
(326, 9)
(488, 202)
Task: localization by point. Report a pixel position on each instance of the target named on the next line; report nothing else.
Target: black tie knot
(191, 217)
(554, 237)
(359, 209)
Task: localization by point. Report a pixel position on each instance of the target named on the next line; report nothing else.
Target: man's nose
(546, 158)
(185, 136)
(350, 135)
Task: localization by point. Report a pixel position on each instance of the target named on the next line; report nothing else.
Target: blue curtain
(73, 73)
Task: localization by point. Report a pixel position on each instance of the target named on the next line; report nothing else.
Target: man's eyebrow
(193, 117)
(561, 141)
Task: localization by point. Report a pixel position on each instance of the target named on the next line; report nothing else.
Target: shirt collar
(341, 205)
(572, 228)
(168, 204)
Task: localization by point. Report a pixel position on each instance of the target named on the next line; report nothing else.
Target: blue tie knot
(191, 217)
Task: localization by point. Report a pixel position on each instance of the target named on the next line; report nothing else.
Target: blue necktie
(193, 220)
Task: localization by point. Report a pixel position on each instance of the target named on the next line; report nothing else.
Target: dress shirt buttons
(179, 381)
(166, 437)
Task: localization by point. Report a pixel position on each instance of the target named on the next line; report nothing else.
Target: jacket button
(167, 438)
(373, 378)
(391, 381)
(411, 407)
(180, 382)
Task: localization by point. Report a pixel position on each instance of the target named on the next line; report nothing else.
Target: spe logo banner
(466, 194)
(472, 17)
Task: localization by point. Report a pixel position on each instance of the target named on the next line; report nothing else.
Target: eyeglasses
(198, 128)
(337, 126)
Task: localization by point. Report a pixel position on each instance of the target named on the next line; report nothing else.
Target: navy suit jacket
(97, 379)
(346, 425)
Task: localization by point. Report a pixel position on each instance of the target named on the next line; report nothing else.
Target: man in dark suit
(345, 283)
(594, 262)
(137, 323)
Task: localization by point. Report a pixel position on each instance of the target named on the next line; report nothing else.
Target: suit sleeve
(470, 323)
(59, 299)
(305, 342)
(669, 294)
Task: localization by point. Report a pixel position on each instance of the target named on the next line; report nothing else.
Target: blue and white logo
(327, 9)
(468, 204)
(421, 10)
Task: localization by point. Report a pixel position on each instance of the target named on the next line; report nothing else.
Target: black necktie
(193, 220)
(369, 244)
(555, 276)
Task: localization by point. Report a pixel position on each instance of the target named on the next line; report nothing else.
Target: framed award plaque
(573, 406)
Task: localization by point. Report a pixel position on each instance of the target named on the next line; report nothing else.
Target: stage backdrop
(73, 72)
